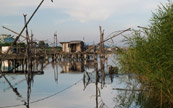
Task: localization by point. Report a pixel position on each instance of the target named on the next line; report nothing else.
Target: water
(65, 85)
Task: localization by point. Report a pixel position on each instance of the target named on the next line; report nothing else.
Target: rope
(44, 97)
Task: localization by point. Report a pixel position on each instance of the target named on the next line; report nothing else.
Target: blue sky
(77, 19)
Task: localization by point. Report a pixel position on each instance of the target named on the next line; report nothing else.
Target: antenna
(55, 39)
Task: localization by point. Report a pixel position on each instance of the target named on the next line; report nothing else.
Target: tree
(41, 44)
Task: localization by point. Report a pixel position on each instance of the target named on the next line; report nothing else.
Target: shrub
(150, 55)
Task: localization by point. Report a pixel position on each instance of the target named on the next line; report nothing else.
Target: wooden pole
(107, 40)
(16, 39)
(13, 31)
(28, 47)
(96, 70)
(101, 39)
(102, 72)
(101, 42)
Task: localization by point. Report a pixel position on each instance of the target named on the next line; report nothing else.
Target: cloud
(100, 10)
(16, 7)
(82, 10)
(90, 10)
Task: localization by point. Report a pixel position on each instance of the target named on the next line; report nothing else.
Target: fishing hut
(16, 60)
(23, 61)
(72, 46)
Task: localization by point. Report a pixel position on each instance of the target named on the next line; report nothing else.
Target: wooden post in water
(52, 57)
(55, 56)
(42, 65)
(8, 65)
(37, 64)
(96, 70)
(102, 72)
(14, 65)
(28, 47)
(22, 65)
(94, 56)
(26, 64)
(102, 56)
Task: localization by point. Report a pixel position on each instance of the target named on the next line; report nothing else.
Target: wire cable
(44, 97)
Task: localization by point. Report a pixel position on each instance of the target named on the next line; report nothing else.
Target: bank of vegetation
(150, 57)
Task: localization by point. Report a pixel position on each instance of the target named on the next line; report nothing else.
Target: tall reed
(150, 55)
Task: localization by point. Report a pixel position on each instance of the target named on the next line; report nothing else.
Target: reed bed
(150, 56)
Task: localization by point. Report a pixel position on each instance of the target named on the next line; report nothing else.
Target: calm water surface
(69, 85)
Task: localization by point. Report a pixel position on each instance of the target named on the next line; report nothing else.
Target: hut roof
(73, 42)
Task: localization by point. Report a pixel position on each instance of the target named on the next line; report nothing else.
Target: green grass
(150, 55)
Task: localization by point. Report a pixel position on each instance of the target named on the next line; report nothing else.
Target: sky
(76, 19)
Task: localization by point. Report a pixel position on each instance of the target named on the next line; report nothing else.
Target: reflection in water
(6, 65)
(8, 70)
(55, 68)
(95, 77)
(89, 64)
(125, 98)
(29, 80)
(17, 83)
(72, 67)
(96, 70)
(102, 72)
(128, 96)
(11, 86)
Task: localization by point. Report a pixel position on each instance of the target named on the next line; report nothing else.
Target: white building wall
(78, 48)
(5, 49)
(65, 47)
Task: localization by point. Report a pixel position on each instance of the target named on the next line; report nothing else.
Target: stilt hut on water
(72, 46)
